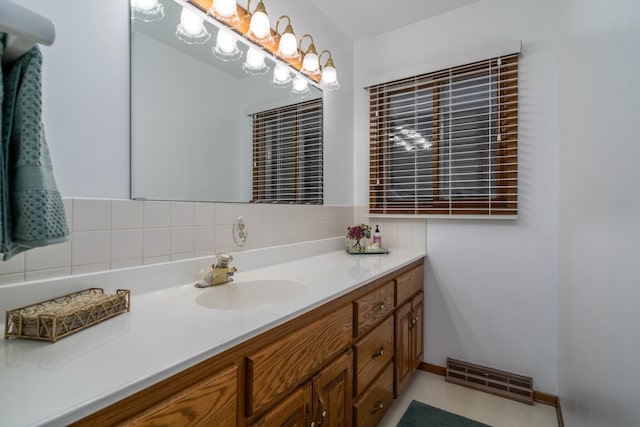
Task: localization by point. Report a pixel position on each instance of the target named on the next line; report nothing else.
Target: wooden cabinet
(290, 360)
(293, 411)
(332, 393)
(374, 402)
(211, 402)
(336, 365)
(409, 340)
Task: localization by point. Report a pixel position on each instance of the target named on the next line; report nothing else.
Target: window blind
(287, 154)
(446, 142)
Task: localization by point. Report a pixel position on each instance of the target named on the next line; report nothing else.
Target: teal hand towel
(36, 215)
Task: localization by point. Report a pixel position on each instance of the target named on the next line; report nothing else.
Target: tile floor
(484, 407)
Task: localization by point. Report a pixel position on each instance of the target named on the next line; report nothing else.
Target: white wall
(491, 285)
(600, 208)
(86, 95)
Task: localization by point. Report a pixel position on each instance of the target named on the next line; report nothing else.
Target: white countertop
(165, 332)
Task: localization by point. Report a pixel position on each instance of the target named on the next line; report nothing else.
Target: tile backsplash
(111, 233)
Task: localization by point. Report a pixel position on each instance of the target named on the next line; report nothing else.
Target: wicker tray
(58, 317)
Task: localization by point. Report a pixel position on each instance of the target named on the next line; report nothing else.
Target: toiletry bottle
(377, 238)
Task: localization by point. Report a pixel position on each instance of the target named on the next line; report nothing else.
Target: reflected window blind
(287, 154)
(446, 143)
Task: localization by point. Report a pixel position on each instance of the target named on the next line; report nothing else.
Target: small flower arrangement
(357, 233)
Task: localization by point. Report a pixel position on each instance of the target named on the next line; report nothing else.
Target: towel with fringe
(32, 212)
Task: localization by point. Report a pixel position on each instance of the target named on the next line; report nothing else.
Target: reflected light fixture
(288, 46)
(329, 78)
(226, 10)
(300, 86)
(310, 63)
(255, 63)
(226, 48)
(191, 29)
(259, 27)
(281, 75)
(147, 10)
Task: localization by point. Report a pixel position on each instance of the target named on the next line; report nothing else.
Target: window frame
(504, 203)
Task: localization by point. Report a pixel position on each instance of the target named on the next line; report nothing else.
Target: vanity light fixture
(147, 10)
(287, 47)
(310, 63)
(329, 75)
(226, 48)
(300, 86)
(255, 63)
(225, 10)
(191, 29)
(281, 75)
(259, 27)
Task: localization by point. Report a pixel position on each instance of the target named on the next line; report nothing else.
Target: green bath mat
(420, 414)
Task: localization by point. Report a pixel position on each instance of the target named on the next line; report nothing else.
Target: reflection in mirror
(192, 105)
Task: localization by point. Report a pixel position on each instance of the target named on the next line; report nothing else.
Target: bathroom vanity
(336, 352)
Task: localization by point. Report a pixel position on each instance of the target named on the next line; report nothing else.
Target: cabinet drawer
(373, 307)
(372, 353)
(408, 284)
(373, 404)
(212, 401)
(292, 359)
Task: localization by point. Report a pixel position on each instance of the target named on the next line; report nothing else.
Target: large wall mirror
(191, 114)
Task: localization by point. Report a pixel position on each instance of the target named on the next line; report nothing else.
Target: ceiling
(361, 19)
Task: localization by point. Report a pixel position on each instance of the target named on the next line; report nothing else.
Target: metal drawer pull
(378, 407)
(378, 353)
(380, 307)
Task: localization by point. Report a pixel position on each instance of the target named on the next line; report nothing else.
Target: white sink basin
(243, 295)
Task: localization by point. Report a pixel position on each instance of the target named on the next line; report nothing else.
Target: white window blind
(446, 143)
(287, 154)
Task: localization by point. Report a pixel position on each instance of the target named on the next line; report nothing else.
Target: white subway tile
(91, 215)
(182, 214)
(242, 209)
(49, 257)
(90, 247)
(126, 244)
(127, 214)
(256, 213)
(182, 240)
(224, 238)
(177, 257)
(157, 242)
(14, 265)
(205, 214)
(283, 232)
(157, 214)
(205, 239)
(224, 213)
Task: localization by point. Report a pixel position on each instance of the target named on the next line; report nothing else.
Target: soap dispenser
(377, 238)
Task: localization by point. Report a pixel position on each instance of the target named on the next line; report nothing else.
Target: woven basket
(58, 317)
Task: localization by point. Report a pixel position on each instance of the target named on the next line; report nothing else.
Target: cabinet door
(403, 359)
(332, 390)
(211, 402)
(417, 330)
(293, 411)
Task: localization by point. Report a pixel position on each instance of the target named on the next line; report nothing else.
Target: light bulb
(147, 10)
(310, 63)
(254, 64)
(226, 47)
(259, 25)
(329, 75)
(288, 46)
(145, 4)
(191, 23)
(281, 75)
(225, 8)
(226, 42)
(300, 85)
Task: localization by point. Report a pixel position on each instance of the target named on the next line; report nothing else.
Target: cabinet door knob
(379, 353)
(380, 306)
(378, 406)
